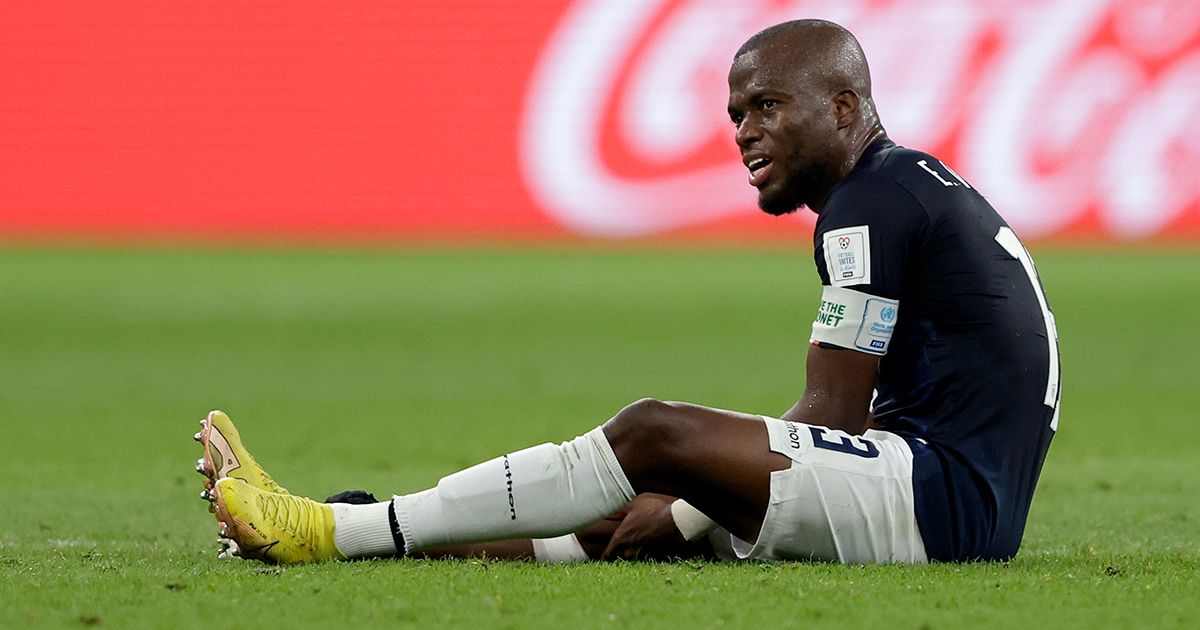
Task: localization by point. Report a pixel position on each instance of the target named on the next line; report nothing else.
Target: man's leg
(224, 455)
(588, 544)
(501, 549)
(719, 461)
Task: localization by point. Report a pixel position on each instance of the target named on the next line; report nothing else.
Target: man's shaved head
(826, 54)
(800, 97)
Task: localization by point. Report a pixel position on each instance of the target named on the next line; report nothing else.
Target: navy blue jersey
(969, 372)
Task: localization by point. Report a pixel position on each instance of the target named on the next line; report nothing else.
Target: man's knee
(651, 430)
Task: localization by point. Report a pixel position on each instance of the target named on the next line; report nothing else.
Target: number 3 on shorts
(845, 443)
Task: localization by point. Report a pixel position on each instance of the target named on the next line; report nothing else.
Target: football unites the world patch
(848, 255)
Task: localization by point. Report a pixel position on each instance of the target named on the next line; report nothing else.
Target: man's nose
(748, 132)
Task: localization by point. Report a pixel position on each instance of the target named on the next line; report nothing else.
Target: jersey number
(1011, 244)
(845, 443)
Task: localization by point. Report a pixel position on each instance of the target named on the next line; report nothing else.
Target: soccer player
(930, 401)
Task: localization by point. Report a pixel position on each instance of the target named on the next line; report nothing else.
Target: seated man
(930, 401)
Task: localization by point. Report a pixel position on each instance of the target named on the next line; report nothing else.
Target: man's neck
(857, 147)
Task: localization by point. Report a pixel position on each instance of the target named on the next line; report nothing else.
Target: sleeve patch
(848, 255)
(854, 320)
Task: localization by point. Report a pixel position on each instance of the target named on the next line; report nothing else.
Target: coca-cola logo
(1064, 113)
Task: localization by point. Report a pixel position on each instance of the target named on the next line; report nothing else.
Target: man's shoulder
(902, 187)
(874, 193)
(889, 168)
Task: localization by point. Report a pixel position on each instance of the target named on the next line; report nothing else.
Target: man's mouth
(760, 168)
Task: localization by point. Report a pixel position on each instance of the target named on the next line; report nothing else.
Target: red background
(212, 120)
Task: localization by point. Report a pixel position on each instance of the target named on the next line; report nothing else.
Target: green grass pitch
(386, 370)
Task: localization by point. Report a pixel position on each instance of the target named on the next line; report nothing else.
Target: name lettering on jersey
(848, 255)
(945, 182)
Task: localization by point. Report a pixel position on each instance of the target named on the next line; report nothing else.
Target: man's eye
(736, 120)
(769, 104)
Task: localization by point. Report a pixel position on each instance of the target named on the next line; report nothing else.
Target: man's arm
(838, 389)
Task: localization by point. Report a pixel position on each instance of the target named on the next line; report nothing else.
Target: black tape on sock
(397, 535)
(353, 497)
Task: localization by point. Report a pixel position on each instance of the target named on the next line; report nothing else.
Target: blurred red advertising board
(591, 118)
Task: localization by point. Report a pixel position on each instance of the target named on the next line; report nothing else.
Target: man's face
(785, 129)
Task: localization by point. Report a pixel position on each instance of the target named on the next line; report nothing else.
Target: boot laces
(292, 514)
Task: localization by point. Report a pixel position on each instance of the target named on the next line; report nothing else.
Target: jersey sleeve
(863, 244)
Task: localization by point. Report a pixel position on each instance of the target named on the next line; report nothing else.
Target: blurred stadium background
(564, 120)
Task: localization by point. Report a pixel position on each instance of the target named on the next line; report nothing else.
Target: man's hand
(648, 532)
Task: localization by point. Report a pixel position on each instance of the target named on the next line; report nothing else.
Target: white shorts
(844, 499)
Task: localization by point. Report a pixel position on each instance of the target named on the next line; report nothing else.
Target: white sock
(561, 549)
(539, 492)
(363, 531)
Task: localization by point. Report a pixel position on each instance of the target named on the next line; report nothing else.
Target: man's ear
(845, 108)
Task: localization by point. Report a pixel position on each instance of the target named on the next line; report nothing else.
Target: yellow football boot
(226, 456)
(274, 528)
